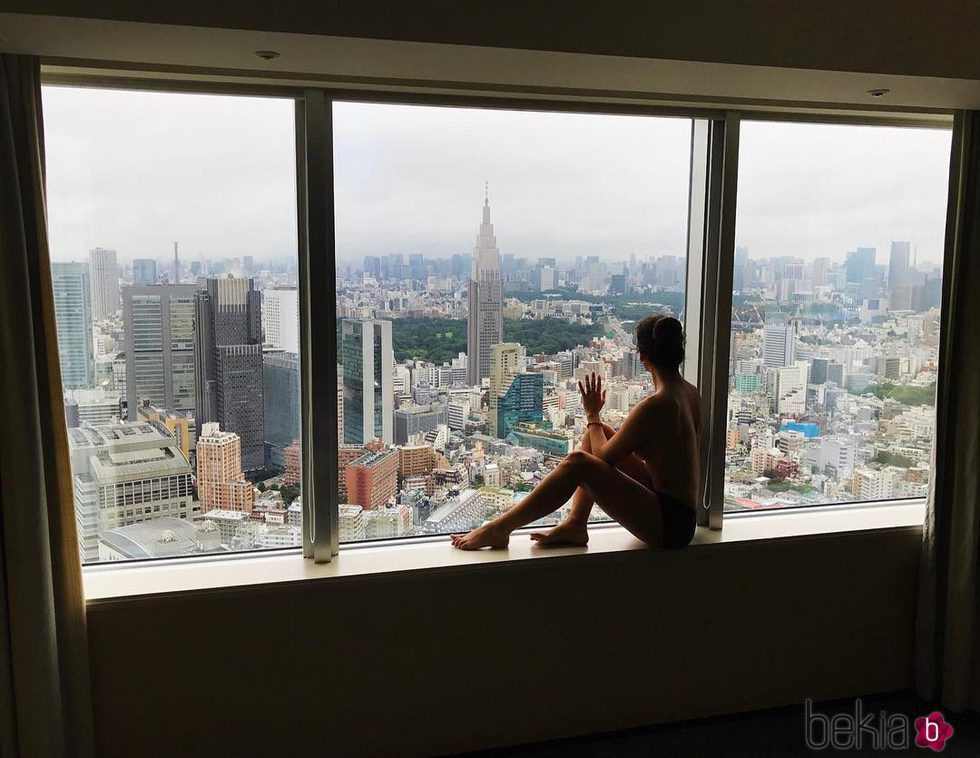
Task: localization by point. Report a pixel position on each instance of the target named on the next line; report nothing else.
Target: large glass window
(835, 318)
(173, 233)
(487, 259)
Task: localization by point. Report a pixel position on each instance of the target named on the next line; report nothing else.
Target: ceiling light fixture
(267, 55)
(878, 92)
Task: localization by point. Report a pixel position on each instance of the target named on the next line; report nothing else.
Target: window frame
(709, 273)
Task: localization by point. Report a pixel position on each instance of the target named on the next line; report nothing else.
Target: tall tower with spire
(485, 327)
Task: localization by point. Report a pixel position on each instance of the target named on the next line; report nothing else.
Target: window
(486, 260)
(834, 338)
(173, 232)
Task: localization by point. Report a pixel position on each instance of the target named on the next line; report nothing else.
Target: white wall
(476, 657)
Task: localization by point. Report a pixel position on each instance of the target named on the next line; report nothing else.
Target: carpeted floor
(769, 733)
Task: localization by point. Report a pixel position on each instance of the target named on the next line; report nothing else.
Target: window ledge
(109, 583)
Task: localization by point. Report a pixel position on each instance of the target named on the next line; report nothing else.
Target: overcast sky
(137, 171)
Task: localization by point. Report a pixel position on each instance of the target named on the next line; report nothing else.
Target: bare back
(672, 453)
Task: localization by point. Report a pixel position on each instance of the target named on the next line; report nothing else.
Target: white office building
(125, 474)
(280, 318)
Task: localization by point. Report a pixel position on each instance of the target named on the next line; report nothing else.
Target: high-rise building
(345, 455)
(818, 370)
(418, 418)
(859, 265)
(372, 266)
(368, 363)
(144, 271)
(220, 480)
(458, 413)
(281, 396)
(415, 463)
(351, 523)
(835, 373)
(485, 327)
(789, 392)
(515, 395)
(280, 318)
(372, 479)
(899, 277)
(175, 272)
(94, 406)
(293, 461)
(73, 315)
(340, 404)
(180, 424)
(228, 360)
(125, 474)
(104, 281)
(778, 343)
(504, 364)
(158, 321)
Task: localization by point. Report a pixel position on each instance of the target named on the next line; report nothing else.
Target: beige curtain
(45, 707)
(947, 652)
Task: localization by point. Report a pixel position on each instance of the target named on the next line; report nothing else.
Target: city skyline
(458, 384)
(561, 184)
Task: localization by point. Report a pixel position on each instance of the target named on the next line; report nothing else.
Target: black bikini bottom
(679, 521)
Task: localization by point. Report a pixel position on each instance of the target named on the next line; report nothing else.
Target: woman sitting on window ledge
(645, 475)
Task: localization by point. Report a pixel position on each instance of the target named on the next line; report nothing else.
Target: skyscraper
(104, 281)
(144, 271)
(280, 318)
(73, 316)
(899, 277)
(281, 395)
(818, 370)
(369, 397)
(176, 269)
(485, 327)
(220, 481)
(515, 395)
(158, 322)
(860, 265)
(228, 363)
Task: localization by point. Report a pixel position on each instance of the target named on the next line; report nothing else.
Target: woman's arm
(593, 398)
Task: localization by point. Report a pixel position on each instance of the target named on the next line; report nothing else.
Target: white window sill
(110, 583)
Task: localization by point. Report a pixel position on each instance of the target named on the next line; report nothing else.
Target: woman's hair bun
(660, 339)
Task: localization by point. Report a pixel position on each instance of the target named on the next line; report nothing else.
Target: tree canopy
(441, 339)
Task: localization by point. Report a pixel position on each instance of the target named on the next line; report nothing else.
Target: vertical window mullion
(717, 257)
(696, 311)
(318, 283)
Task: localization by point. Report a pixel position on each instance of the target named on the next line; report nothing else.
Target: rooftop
(160, 538)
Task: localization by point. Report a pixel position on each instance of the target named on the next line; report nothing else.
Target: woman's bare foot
(566, 533)
(488, 535)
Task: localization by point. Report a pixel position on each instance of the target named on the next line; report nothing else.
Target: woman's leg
(633, 505)
(574, 529)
